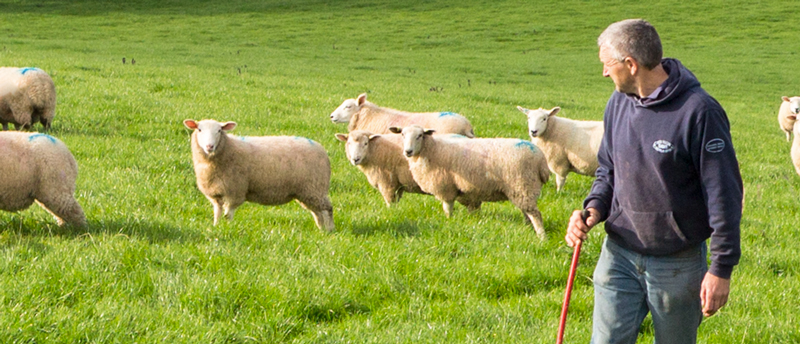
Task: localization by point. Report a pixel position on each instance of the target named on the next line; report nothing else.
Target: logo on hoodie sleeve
(662, 146)
(715, 146)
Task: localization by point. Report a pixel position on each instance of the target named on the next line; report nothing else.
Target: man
(668, 180)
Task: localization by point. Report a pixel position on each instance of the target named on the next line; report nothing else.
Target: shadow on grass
(406, 228)
(134, 228)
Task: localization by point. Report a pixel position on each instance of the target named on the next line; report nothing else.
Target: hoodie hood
(680, 80)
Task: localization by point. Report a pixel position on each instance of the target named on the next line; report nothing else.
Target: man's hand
(577, 228)
(714, 293)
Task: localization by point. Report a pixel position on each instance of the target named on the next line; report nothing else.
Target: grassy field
(151, 268)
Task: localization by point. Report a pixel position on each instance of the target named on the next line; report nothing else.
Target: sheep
(39, 167)
(268, 170)
(796, 144)
(380, 158)
(364, 115)
(789, 107)
(569, 145)
(473, 171)
(27, 96)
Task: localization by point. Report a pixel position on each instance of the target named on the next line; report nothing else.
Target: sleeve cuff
(597, 205)
(721, 270)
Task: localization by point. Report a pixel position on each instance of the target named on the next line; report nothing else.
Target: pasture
(151, 268)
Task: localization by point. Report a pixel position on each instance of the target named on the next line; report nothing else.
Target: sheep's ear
(396, 130)
(228, 126)
(429, 131)
(341, 137)
(374, 136)
(190, 123)
(524, 110)
(361, 99)
(554, 111)
(785, 98)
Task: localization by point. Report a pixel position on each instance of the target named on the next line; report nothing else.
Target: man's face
(617, 71)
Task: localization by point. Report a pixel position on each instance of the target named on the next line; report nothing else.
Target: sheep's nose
(356, 161)
(408, 152)
(534, 132)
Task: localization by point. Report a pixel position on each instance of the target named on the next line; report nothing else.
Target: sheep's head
(413, 137)
(537, 119)
(794, 104)
(349, 107)
(208, 133)
(357, 147)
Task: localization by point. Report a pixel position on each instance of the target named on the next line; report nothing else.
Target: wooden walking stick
(565, 307)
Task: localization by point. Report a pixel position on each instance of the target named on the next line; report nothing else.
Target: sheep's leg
(535, 217)
(788, 135)
(65, 210)
(22, 112)
(560, 180)
(5, 126)
(388, 195)
(325, 220)
(448, 208)
(229, 209)
(217, 204)
(322, 211)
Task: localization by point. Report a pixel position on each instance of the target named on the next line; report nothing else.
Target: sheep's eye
(544, 119)
(220, 131)
(348, 106)
(198, 130)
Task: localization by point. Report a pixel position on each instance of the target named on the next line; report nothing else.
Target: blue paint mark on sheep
(27, 69)
(523, 143)
(305, 138)
(36, 136)
(448, 113)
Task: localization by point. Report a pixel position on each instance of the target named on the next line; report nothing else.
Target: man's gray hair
(635, 38)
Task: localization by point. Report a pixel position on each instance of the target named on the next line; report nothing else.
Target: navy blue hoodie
(668, 176)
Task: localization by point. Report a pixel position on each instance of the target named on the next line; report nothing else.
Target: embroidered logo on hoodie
(662, 146)
(715, 146)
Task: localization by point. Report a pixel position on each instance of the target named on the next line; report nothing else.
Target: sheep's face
(537, 119)
(344, 112)
(413, 138)
(357, 147)
(794, 105)
(209, 132)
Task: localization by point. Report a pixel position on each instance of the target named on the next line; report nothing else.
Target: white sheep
(789, 107)
(363, 115)
(380, 158)
(268, 170)
(473, 171)
(569, 145)
(27, 96)
(39, 167)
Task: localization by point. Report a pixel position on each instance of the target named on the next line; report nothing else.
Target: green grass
(151, 267)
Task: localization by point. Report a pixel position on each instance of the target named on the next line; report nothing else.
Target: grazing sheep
(268, 170)
(477, 170)
(789, 107)
(569, 145)
(796, 144)
(27, 96)
(39, 167)
(364, 115)
(380, 158)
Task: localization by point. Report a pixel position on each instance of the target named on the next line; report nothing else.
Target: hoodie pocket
(657, 230)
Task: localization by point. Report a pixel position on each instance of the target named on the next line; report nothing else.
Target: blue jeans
(628, 285)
